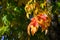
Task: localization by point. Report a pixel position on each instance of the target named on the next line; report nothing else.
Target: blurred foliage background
(13, 21)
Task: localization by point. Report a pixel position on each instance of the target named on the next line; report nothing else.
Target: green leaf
(58, 3)
(5, 21)
(3, 29)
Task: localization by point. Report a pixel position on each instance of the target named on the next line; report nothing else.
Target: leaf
(3, 29)
(58, 3)
(5, 21)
